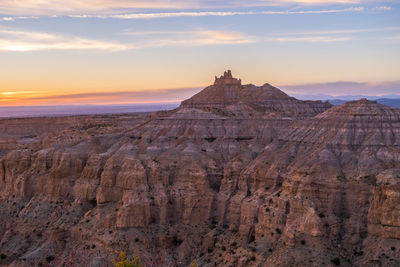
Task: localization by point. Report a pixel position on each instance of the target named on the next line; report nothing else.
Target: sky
(55, 52)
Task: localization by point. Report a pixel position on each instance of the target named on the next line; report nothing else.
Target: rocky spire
(227, 79)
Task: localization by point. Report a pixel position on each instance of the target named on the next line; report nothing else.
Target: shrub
(122, 260)
(194, 264)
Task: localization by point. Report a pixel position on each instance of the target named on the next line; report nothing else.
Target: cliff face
(252, 179)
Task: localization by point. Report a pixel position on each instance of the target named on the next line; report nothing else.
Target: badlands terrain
(238, 175)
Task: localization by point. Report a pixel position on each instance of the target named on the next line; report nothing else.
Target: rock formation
(238, 175)
(229, 94)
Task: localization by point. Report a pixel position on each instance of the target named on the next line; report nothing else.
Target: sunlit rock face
(228, 95)
(238, 175)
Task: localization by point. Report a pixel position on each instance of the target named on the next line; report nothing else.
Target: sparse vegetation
(122, 260)
(193, 264)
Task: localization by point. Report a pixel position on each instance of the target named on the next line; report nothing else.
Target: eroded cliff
(238, 175)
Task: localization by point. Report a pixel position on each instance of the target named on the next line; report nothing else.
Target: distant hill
(392, 102)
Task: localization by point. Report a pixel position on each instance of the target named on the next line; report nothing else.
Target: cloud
(61, 7)
(22, 40)
(348, 31)
(159, 15)
(395, 38)
(329, 35)
(383, 8)
(7, 19)
(313, 39)
(197, 37)
(343, 88)
(16, 18)
(19, 40)
(75, 7)
(212, 37)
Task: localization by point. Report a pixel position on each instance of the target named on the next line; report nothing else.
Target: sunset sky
(122, 51)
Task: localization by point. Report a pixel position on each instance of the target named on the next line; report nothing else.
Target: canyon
(237, 175)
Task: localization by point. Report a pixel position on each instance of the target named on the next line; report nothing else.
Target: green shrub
(122, 260)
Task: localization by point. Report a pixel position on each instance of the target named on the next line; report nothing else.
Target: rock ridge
(228, 95)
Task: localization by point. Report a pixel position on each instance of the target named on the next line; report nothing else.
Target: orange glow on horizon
(37, 98)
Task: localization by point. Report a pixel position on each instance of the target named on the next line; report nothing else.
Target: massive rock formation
(229, 94)
(238, 175)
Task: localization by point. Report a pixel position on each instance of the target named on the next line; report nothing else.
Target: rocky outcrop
(229, 97)
(251, 179)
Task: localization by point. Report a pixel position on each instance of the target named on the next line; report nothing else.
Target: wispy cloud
(19, 40)
(395, 38)
(7, 19)
(348, 31)
(213, 37)
(158, 15)
(22, 40)
(382, 8)
(311, 39)
(330, 35)
(195, 37)
(104, 7)
(344, 88)
(60, 7)
(16, 18)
